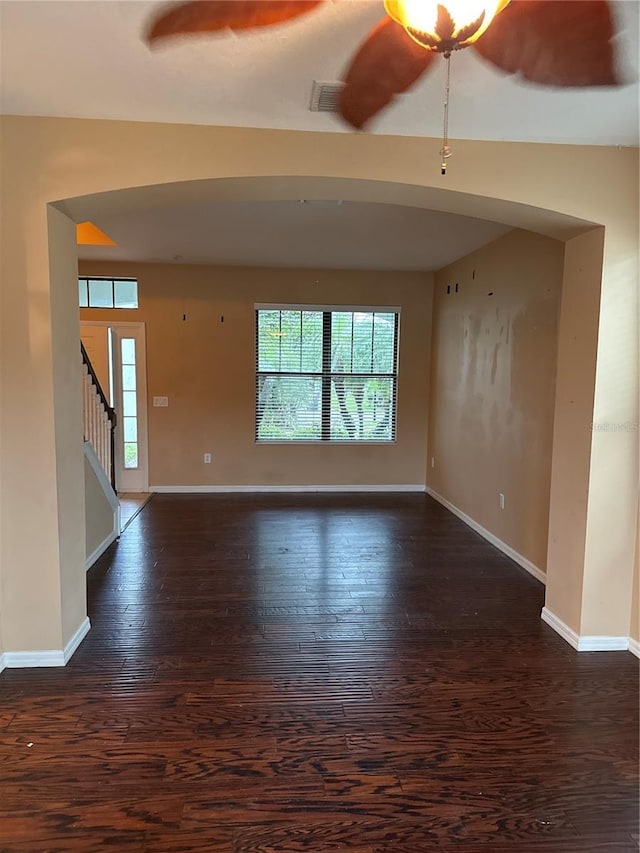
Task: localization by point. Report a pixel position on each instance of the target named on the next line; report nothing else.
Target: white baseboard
(46, 657)
(205, 490)
(585, 642)
(76, 639)
(102, 547)
(40, 657)
(634, 647)
(603, 644)
(537, 573)
(560, 627)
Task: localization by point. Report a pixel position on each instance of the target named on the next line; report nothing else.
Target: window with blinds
(326, 375)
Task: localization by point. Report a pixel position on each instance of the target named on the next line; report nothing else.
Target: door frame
(141, 382)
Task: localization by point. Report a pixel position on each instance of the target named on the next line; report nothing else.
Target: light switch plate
(160, 402)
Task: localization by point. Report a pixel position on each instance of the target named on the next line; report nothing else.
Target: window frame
(326, 375)
(113, 280)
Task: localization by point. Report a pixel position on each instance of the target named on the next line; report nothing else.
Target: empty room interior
(320, 514)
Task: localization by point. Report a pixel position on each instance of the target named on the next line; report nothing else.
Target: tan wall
(579, 315)
(63, 272)
(207, 369)
(98, 511)
(634, 628)
(492, 386)
(96, 344)
(46, 160)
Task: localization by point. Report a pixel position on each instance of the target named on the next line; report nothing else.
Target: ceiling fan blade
(387, 64)
(553, 42)
(206, 16)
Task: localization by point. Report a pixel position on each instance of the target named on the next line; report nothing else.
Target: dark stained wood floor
(317, 673)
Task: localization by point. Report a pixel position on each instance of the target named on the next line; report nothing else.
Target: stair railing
(99, 418)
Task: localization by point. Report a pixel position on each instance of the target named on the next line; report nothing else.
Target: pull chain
(445, 151)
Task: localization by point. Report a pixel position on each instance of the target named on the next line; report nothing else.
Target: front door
(122, 348)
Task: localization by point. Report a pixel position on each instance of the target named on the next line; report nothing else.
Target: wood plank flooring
(318, 673)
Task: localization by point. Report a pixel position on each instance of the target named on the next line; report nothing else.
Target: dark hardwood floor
(317, 673)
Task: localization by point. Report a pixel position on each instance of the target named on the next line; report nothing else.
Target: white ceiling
(86, 59)
(349, 235)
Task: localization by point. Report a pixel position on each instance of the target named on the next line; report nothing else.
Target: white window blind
(326, 374)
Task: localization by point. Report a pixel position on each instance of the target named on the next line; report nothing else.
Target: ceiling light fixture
(447, 26)
(443, 28)
(558, 43)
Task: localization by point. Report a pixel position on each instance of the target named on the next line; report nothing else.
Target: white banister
(99, 419)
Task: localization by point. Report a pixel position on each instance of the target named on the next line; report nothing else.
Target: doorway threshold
(131, 505)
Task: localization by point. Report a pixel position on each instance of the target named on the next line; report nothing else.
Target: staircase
(102, 508)
(99, 419)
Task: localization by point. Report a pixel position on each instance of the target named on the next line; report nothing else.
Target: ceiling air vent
(324, 96)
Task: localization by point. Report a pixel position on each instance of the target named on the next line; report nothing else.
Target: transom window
(108, 293)
(326, 374)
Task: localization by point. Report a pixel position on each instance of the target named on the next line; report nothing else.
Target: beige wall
(98, 511)
(47, 160)
(575, 390)
(96, 343)
(67, 401)
(634, 628)
(492, 386)
(207, 369)
(49, 451)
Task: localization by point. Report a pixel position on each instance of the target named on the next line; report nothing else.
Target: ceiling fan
(561, 43)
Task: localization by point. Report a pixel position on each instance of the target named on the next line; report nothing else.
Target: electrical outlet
(501, 501)
(160, 402)
(207, 458)
(433, 461)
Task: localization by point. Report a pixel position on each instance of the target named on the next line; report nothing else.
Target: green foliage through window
(326, 375)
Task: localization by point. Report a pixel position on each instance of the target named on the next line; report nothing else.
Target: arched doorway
(78, 166)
